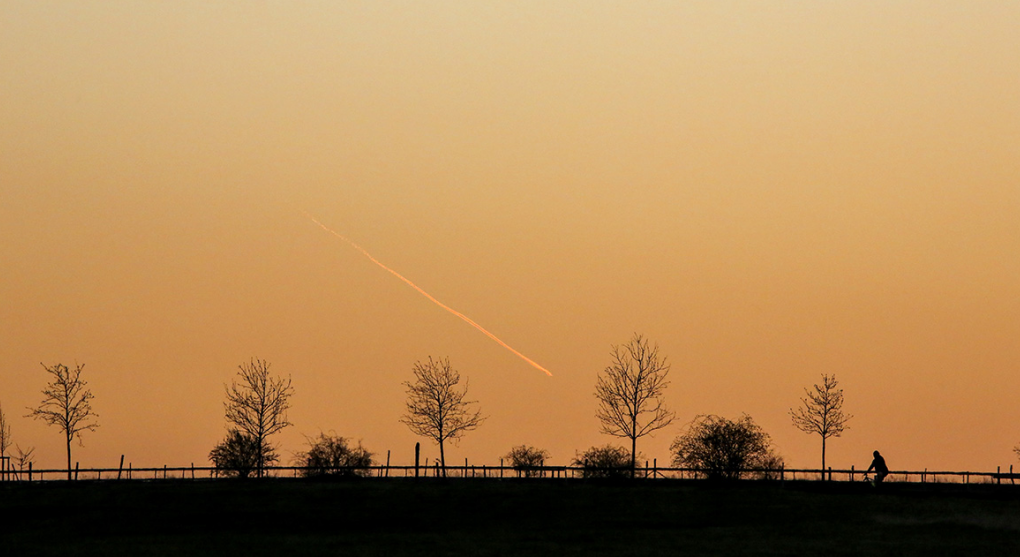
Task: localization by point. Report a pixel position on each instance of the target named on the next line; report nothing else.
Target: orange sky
(770, 191)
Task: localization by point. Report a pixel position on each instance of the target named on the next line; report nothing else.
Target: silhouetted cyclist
(881, 470)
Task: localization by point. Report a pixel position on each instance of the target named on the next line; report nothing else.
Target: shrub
(238, 455)
(330, 455)
(770, 467)
(723, 449)
(604, 462)
(526, 460)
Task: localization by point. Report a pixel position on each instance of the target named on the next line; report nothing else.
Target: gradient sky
(768, 190)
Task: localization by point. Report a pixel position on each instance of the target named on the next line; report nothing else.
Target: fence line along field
(502, 471)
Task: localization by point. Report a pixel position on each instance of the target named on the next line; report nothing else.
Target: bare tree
(67, 404)
(435, 408)
(5, 433)
(630, 393)
(821, 412)
(257, 405)
(24, 459)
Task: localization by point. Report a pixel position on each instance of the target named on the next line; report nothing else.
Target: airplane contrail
(427, 295)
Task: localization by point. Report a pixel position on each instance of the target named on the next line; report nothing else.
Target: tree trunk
(633, 442)
(442, 457)
(69, 458)
(259, 456)
(823, 458)
(633, 456)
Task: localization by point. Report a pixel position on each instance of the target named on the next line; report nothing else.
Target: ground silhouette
(433, 516)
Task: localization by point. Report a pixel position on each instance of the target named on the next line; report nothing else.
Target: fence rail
(8, 473)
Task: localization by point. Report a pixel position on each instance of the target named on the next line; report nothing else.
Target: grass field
(505, 517)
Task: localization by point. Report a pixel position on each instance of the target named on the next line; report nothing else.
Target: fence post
(192, 470)
(164, 471)
(417, 454)
(655, 468)
(129, 470)
(121, 467)
(1011, 480)
(75, 471)
(851, 473)
(465, 467)
(30, 471)
(387, 463)
(998, 475)
(830, 473)
(501, 468)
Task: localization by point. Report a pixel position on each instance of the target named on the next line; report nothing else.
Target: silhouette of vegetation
(605, 462)
(5, 433)
(241, 455)
(723, 449)
(67, 404)
(630, 393)
(23, 459)
(770, 467)
(331, 455)
(821, 412)
(527, 460)
(257, 406)
(1016, 450)
(436, 408)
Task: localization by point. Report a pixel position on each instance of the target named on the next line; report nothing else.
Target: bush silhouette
(330, 455)
(604, 462)
(527, 460)
(724, 449)
(238, 455)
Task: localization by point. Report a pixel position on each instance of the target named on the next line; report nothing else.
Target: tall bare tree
(5, 433)
(67, 404)
(630, 393)
(436, 408)
(821, 412)
(257, 405)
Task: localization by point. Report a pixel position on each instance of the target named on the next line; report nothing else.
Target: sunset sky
(768, 190)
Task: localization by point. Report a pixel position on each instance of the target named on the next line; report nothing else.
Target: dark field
(509, 517)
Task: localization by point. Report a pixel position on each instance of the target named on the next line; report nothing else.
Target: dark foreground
(513, 517)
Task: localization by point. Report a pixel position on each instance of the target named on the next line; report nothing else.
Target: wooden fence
(192, 472)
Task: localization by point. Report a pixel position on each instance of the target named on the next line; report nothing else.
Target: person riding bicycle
(881, 470)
